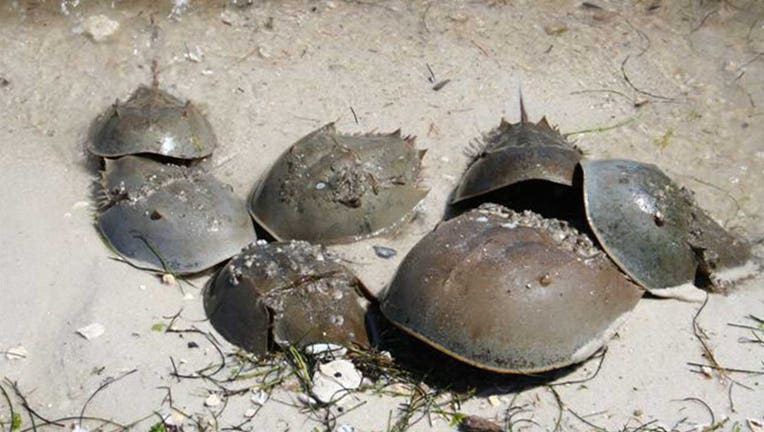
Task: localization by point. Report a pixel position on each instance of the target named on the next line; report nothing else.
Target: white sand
(262, 88)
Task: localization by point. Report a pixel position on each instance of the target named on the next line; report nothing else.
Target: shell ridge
(147, 188)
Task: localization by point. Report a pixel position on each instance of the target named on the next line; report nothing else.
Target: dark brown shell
(509, 292)
(518, 152)
(152, 121)
(294, 290)
(171, 218)
(331, 187)
(655, 231)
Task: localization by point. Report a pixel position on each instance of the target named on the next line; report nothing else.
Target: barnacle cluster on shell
(287, 293)
(330, 187)
(509, 292)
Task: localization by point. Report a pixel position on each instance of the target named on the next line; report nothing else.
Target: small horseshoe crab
(153, 121)
(523, 166)
(289, 293)
(509, 292)
(655, 231)
(170, 218)
(333, 188)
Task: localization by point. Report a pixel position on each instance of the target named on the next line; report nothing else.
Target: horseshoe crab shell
(153, 121)
(513, 153)
(655, 232)
(332, 188)
(292, 288)
(509, 292)
(171, 218)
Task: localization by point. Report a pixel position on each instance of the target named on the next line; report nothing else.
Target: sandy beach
(676, 83)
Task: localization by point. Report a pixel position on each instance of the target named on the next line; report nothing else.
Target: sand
(682, 82)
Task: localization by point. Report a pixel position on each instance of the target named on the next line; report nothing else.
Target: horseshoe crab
(332, 188)
(152, 121)
(535, 156)
(170, 218)
(292, 290)
(655, 231)
(509, 292)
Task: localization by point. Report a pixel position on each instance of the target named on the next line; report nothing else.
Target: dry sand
(269, 73)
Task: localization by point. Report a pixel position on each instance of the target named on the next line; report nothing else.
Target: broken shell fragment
(152, 121)
(509, 292)
(292, 290)
(334, 380)
(330, 187)
(170, 218)
(655, 231)
(514, 153)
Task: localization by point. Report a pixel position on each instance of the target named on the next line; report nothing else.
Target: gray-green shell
(653, 228)
(330, 187)
(517, 152)
(152, 121)
(171, 218)
(291, 291)
(509, 292)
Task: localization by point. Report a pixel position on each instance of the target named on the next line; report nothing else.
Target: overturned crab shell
(509, 292)
(330, 187)
(518, 152)
(292, 288)
(171, 218)
(654, 230)
(153, 121)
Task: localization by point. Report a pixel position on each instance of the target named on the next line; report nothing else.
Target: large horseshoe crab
(331, 187)
(509, 292)
(170, 218)
(655, 231)
(289, 293)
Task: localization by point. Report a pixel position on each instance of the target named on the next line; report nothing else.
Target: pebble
(229, 17)
(384, 252)
(194, 55)
(264, 52)
(174, 419)
(212, 400)
(91, 331)
(259, 398)
(479, 424)
(555, 29)
(99, 27)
